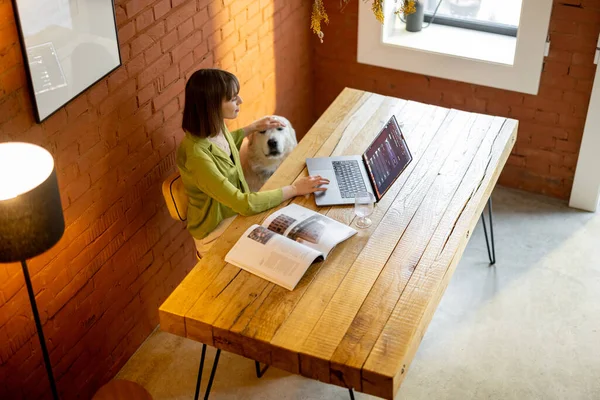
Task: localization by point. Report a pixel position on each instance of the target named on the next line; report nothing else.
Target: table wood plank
(389, 359)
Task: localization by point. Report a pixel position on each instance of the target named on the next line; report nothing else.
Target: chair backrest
(175, 197)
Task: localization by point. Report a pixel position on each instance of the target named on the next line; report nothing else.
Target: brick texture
(99, 289)
(551, 123)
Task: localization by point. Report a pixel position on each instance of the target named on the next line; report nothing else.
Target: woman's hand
(303, 186)
(310, 184)
(263, 124)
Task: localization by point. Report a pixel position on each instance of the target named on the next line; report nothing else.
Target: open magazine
(286, 244)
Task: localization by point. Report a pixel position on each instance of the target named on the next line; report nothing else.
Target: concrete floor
(528, 328)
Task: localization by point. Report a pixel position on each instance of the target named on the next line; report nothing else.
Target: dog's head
(274, 143)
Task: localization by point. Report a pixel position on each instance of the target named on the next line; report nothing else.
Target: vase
(414, 21)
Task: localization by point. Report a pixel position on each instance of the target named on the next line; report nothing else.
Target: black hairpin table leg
(259, 372)
(490, 249)
(351, 394)
(212, 373)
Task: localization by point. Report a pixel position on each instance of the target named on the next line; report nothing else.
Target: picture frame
(67, 46)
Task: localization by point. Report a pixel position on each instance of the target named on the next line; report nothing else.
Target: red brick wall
(551, 123)
(99, 289)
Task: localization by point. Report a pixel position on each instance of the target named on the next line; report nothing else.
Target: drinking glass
(364, 203)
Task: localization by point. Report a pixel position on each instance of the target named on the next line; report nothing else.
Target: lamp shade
(31, 216)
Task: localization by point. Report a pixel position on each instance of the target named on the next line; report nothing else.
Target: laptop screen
(386, 157)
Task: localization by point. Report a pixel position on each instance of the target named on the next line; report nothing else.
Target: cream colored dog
(264, 151)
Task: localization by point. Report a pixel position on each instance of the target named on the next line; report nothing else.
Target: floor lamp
(31, 216)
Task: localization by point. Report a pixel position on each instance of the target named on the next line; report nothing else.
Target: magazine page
(308, 227)
(272, 256)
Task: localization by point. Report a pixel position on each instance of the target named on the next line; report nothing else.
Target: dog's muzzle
(273, 148)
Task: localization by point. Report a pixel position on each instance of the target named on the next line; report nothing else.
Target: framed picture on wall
(68, 45)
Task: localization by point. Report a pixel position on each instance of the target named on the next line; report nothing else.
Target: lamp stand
(38, 324)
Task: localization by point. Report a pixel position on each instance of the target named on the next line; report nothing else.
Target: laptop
(375, 171)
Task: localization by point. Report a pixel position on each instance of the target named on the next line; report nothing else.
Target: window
(494, 16)
(496, 43)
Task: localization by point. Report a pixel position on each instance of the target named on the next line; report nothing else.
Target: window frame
(522, 76)
(490, 27)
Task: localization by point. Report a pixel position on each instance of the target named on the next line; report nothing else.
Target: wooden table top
(357, 319)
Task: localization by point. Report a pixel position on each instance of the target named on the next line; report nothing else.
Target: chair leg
(259, 372)
(212, 373)
(351, 394)
(492, 251)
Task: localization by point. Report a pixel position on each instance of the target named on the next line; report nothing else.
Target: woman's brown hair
(204, 94)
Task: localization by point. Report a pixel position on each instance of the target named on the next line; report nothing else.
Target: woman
(209, 160)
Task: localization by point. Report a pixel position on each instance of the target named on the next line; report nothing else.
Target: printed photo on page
(309, 228)
(287, 243)
(272, 256)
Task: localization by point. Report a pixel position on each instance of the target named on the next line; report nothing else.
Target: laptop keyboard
(349, 178)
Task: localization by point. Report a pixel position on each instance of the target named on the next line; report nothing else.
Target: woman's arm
(289, 192)
(211, 181)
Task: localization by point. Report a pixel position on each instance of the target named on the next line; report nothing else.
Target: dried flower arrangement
(319, 15)
(407, 7)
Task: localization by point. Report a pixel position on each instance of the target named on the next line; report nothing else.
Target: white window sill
(445, 52)
(456, 42)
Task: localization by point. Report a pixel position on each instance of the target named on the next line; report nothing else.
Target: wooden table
(357, 319)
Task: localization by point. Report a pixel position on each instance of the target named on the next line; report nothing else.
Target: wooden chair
(175, 197)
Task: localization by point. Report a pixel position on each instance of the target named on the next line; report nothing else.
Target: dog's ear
(250, 138)
(292, 133)
(292, 136)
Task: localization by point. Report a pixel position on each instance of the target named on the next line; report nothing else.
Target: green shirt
(215, 184)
